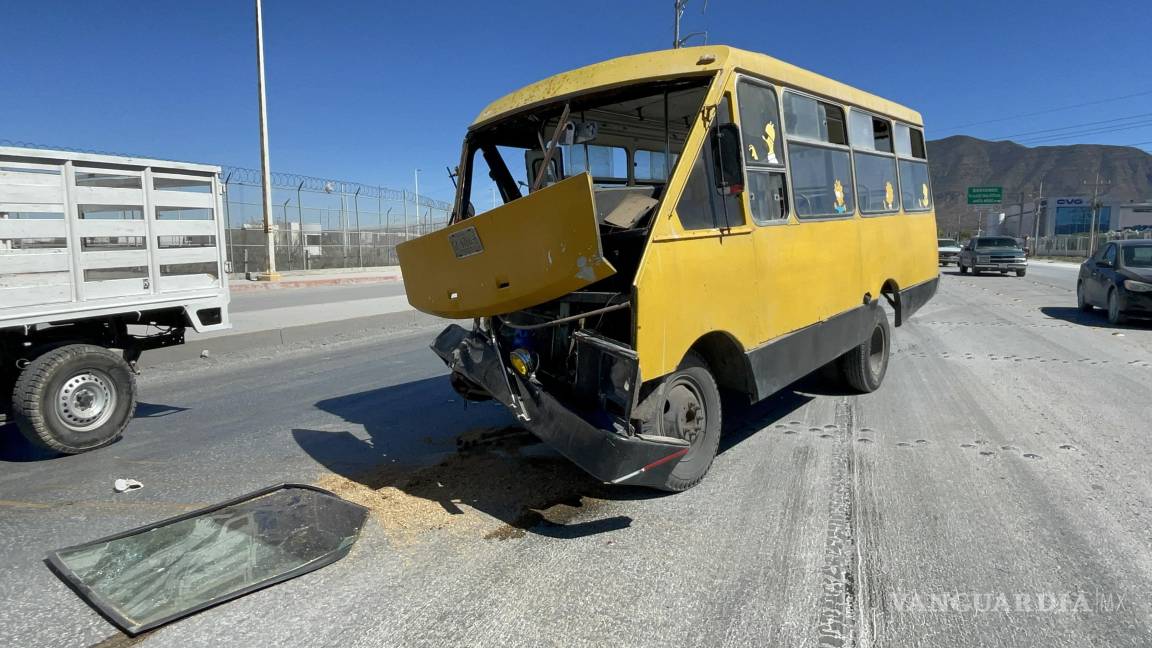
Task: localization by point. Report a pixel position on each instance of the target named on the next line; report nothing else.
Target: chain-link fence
(1078, 245)
(321, 223)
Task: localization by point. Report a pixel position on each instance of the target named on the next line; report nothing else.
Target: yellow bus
(672, 225)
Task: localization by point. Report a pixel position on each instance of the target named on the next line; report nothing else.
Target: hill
(959, 162)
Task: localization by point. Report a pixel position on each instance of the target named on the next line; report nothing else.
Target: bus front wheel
(687, 406)
(865, 365)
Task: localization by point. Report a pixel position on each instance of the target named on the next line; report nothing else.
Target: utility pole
(678, 42)
(1020, 218)
(1095, 211)
(265, 173)
(1036, 214)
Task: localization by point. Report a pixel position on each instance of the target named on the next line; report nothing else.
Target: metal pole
(679, 4)
(1036, 217)
(300, 217)
(359, 242)
(228, 221)
(417, 201)
(344, 224)
(265, 172)
(1095, 209)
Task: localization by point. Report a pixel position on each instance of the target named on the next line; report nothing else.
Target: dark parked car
(993, 254)
(1119, 278)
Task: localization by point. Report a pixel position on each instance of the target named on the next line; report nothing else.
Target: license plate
(1002, 266)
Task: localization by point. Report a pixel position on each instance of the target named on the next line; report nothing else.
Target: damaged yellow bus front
(674, 225)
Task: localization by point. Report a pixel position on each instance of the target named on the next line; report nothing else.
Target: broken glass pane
(149, 576)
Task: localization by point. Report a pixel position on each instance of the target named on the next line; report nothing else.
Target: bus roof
(675, 63)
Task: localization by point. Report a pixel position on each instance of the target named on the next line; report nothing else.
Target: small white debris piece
(204, 353)
(125, 485)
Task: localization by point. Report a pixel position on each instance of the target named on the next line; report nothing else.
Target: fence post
(343, 224)
(359, 241)
(231, 239)
(303, 237)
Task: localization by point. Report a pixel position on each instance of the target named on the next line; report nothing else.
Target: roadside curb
(335, 331)
(243, 285)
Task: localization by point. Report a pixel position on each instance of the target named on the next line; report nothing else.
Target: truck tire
(865, 366)
(963, 268)
(687, 406)
(74, 398)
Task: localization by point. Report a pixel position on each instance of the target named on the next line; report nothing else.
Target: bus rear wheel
(74, 398)
(865, 365)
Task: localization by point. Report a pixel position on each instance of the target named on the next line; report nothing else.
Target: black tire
(1115, 315)
(690, 388)
(865, 366)
(74, 398)
(1021, 273)
(1081, 300)
(963, 268)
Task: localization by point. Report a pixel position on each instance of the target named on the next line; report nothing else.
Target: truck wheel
(963, 268)
(690, 409)
(74, 398)
(865, 366)
(1021, 273)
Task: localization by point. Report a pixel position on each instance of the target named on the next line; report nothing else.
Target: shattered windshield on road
(156, 574)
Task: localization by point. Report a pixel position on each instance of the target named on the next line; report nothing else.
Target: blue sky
(368, 91)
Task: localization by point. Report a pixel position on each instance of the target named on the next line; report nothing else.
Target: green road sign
(985, 195)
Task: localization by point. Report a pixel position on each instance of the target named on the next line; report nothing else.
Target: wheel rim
(86, 400)
(876, 351)
(684, 413)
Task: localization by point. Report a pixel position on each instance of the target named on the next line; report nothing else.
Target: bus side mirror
(728, 159)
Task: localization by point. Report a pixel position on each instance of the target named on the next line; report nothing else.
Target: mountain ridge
(961, 161)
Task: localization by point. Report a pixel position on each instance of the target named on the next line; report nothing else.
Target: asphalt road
(994, 492)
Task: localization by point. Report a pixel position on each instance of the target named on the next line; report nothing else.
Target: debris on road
(150, 576)
(125, 485)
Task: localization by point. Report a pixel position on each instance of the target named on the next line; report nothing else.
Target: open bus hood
(527, 252)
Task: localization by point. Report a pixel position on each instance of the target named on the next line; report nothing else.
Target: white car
(948, 251)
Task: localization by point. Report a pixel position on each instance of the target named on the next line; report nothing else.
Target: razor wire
(246, 176)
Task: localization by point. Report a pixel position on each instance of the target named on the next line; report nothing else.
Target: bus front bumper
(613, 456)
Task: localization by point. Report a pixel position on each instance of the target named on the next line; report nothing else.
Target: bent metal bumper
(608, 455)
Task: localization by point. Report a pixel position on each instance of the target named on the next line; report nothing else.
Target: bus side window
(763, 153)
(915, 182)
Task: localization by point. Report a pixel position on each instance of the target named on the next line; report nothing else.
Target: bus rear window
(598, 161)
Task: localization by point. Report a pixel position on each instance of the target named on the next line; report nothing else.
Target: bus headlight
(1137, 286)
(523, 361)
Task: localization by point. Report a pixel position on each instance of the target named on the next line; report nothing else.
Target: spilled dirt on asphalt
(488, 488)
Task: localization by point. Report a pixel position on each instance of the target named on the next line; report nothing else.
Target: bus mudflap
(611, 455)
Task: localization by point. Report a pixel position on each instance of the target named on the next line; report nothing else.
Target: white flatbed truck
(101, 258)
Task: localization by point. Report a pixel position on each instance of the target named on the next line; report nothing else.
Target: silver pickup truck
(101, 258)
(1001, 254)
